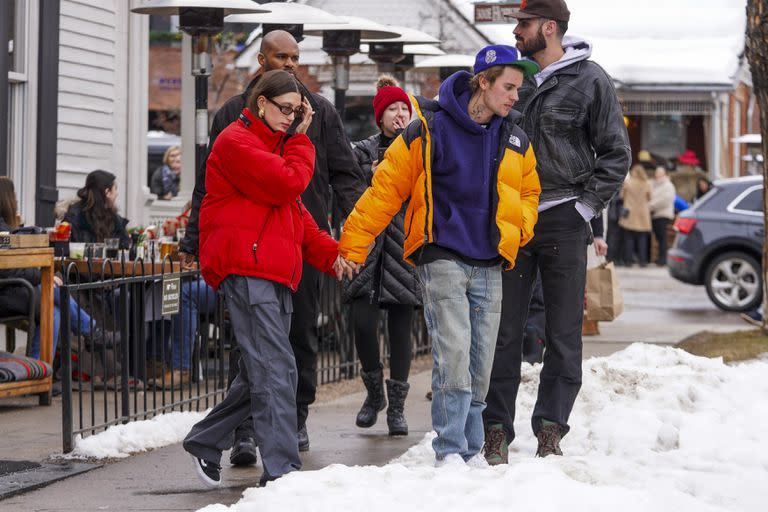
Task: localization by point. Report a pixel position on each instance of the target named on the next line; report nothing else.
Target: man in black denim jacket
(574, 120)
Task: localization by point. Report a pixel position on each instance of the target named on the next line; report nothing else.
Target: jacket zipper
(505, 133)
(255, 246)
(410, 224)
(425, 130)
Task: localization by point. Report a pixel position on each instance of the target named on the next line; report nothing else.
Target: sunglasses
(287, 109)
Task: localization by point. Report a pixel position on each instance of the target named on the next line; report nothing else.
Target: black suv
(719, 244)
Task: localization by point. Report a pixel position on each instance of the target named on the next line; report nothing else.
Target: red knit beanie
(386, 96)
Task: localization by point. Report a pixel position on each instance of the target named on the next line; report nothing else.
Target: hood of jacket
(576, 49)
(454, 100)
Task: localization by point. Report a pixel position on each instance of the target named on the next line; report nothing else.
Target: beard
(532, 46)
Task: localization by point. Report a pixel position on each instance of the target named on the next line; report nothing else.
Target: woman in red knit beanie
(386, 281)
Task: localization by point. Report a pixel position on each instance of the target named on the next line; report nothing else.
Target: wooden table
(38, 257)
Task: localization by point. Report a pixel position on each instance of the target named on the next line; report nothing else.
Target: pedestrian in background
(662, 211)
(386, 281)
(636, 219)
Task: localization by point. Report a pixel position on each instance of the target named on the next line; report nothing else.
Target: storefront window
(664, 135)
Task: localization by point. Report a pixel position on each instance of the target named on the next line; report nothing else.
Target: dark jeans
(660, 233)
(559, 252)
(366, 319)
(303, 336)
(635, 247)
(535, 326)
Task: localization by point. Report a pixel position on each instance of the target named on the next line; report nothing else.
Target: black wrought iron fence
(143, 339)
(148, 338)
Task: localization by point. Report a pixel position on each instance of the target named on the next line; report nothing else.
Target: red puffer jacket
(252, 221)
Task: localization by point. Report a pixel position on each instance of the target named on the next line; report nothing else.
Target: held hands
(186, 260)
(345, 268)
(306, 120)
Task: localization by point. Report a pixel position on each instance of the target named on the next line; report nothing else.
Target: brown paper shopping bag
(604, 300)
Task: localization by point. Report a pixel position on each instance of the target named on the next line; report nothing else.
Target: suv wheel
(734, 282)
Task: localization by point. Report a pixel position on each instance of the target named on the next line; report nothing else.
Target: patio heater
(290, 17)
(387, 54)
(410, 51)
(201, 19)
(342, 43)
(446, 65)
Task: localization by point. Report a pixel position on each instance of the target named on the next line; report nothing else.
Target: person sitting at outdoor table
(197, 298)
(165, 180)
(94, 217)
(254, 234)
(14, 300)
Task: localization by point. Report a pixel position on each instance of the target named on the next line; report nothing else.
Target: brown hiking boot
(496, 447)
(549, 436)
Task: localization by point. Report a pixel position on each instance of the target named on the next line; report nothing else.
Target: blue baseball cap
(503, 55)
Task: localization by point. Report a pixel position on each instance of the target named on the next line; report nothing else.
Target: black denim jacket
(576, 126)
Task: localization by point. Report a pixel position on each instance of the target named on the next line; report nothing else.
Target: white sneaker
(450, 460)
(478, 462)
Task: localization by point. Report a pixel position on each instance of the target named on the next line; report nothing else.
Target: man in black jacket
(573, 117)
(335, 166)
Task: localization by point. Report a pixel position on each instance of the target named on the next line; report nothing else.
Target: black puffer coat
(385, 278)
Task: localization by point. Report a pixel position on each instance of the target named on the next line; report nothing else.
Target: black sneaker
(244, 452)
(303, 437)
(209, 472)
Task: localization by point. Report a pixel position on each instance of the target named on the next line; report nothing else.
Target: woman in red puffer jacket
(254, 232)
(252, 221)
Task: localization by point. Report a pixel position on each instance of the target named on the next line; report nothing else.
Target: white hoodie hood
(576, 49)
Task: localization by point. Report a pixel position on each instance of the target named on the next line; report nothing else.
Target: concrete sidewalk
(658, 309)
(165, 479)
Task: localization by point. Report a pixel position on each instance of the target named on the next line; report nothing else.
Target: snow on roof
(696, 42)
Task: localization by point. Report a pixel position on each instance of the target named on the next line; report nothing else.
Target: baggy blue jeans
(462, 310)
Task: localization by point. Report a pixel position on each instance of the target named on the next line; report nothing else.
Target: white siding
(92, 91)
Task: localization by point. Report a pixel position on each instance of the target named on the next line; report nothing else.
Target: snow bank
(122, 440)
(654, 428)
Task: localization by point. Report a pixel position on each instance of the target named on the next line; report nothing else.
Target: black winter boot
(396, 392)
(375, 401)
